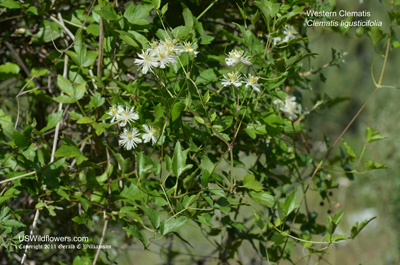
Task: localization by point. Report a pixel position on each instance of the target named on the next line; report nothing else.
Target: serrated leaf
(172, 225)
(371, 135)
(20, 140)
(107, 11)
(70, 150)
(136, 233)
(250, 182)
(376, 34)
(264, 198)
(153, 216)
(136, 14)
(356, 229)
(369, 165)
(187, 16)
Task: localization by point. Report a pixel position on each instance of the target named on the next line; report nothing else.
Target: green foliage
(156, 117)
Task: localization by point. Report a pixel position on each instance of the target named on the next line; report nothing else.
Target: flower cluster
(236, 80)
(290, 107)
(161, 54)
(289, 33)
(131, 137)
(233, 58)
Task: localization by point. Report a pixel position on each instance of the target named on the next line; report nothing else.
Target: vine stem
(205, 10)
(101, 239)
(377, 87)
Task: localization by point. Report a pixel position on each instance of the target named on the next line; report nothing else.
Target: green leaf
(263, 197)
(179, 161)
(107, 11)
(96, 101)
(144, 165)
(369, 165)
(250, 182)
(156, 4)
(350, 152)
(79, 91)
(187, 16)
(356, 229)
(85, 120)
(153, 216)
(337, 218)
(164, 9)
(376, 34)
(206, 39)
(65, 85)
(297, 58)
(177, 108)
(199, 120)
(20, 140)
(290, 202)
(33, 10)
(48, 31)
(82, 261)
(181, 32)
(137, 14)
(70, 150)
(73, 93)
(172, 225)
(264, 10)
(52, 121)
(206, 76)
(132, 230)
(89, 59)
(371, 135)
(11, 4)
(8, 70)
(255, 18)
(6, 124)
(100, 128)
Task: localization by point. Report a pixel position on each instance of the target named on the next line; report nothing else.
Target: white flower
(276, 40)
(153, 48)
(170, 46)
(128, 138)
(126, 115)
(114, 112)
(252, 81)
(235, 57)
(147, 62)
(290, 33)
(165, 57)
(190, 47)
(231, 79)
(149, 135)
(289, 107)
